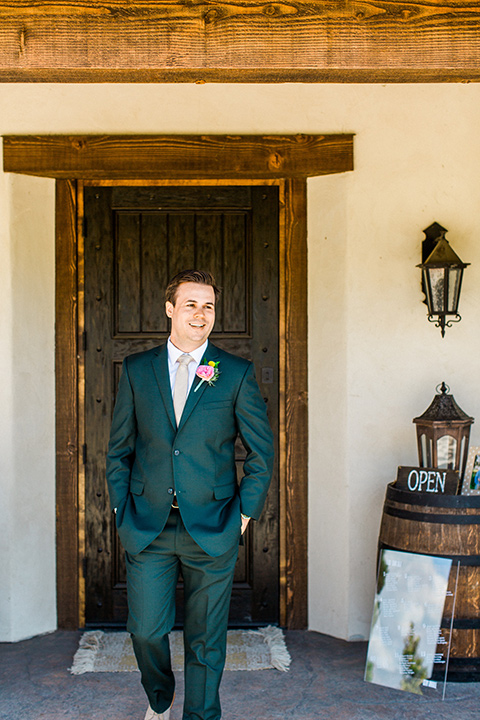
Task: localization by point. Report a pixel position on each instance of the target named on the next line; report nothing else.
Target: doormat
(260, 649)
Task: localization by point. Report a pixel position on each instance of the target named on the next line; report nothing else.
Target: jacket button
(170, 491)
(176, 452)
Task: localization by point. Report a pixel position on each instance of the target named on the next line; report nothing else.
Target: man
(172, 482)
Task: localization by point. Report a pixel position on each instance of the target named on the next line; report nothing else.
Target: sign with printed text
(427, 480)
(407, 615)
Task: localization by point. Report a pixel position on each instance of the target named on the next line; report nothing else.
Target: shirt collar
(174, 353)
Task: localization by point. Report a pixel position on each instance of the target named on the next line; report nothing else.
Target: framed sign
(471, 480)
(407, 615)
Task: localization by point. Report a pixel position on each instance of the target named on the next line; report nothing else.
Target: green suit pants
(152, 577)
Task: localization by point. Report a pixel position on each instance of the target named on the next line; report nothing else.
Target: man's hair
(195, 276)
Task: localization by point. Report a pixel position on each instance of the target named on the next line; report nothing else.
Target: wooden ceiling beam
(239, 41)
(177, 156)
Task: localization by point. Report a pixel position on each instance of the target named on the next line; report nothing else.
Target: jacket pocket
(222, 492)
(213, 404)
(136, 486)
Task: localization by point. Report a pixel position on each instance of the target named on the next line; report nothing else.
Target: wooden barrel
(444, 526)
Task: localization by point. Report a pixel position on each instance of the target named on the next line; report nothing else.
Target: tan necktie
(181, 386)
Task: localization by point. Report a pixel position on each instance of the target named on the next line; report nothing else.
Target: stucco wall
(27, 549)
(7, 471)
(416, 160)
(374, 359)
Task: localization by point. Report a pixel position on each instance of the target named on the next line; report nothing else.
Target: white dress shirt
(173, 355)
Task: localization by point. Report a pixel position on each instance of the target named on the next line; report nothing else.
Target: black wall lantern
(442, 273)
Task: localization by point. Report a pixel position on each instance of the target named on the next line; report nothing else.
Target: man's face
(192, 316)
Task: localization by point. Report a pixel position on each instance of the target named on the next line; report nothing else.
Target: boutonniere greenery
(208, 373)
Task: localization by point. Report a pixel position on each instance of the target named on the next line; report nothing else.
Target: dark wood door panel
(136, 239)
(150, 247)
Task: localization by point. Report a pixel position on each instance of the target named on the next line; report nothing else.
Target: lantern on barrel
(443, 433)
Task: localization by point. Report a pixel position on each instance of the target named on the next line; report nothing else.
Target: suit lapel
(194, 395)
(162, 374)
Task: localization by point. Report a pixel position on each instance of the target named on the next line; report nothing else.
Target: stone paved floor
(325, 682)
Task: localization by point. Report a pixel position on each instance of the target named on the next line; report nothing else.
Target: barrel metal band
(459, 663)
(461, 624)
(460, 502)
(432, 517)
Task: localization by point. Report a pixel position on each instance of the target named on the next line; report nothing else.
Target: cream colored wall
(416, 161)
(32, 206)
(7, 471)
(374, 360)
(27, 550)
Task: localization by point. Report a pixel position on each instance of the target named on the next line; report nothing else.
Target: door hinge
(84, 340)
(84, 454)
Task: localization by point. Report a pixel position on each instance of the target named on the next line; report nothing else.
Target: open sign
(427, 480)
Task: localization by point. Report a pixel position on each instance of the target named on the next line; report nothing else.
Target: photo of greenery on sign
(471, 480)
(407, 613)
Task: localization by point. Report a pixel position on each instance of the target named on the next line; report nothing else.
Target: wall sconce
(442, 273)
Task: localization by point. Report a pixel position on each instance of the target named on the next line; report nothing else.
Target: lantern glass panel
(437, 285)
(446, 449)
(454, 277)
(428, 290)
(426, 449)
(463, 456)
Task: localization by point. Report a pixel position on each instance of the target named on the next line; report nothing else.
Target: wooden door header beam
(239, 41)
(177, 156)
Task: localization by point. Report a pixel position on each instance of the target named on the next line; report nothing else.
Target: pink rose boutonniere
(208, 373)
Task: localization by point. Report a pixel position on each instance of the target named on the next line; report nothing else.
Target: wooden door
(136, 238)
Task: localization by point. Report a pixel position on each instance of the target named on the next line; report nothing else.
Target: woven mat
(261, 649)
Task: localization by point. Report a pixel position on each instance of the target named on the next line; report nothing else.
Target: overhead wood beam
(239, 41)
(178, 156)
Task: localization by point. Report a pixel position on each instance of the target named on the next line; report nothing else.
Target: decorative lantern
(442, 274)
(443, 433)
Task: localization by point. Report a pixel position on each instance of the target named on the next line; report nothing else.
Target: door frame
(285, 161)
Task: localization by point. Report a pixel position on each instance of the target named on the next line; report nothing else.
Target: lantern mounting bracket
(442, 323)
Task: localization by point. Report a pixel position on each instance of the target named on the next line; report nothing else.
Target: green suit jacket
(149, 458)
